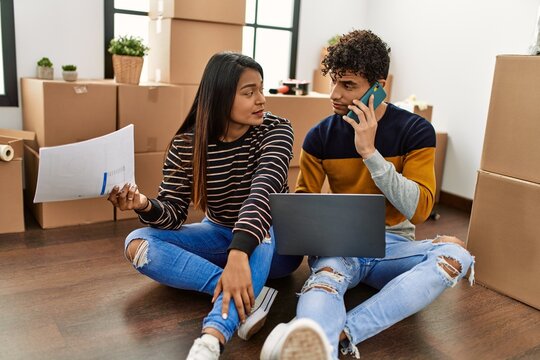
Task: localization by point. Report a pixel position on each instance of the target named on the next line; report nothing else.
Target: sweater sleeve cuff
(153, 214)
(244, 242)
(376, 164)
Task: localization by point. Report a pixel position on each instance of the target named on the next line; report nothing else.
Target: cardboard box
(503, 236)
(61, 213)
(181, 48)
(155, 110)
(148, 176)
(303, 112)
(11, 189)
(11, 193)
(440, 156)
(230, 11)
(321, 84)
(190, 91)
(511, 145)
(61, 112)
(388, 87)
(12, 181)
(425, 113)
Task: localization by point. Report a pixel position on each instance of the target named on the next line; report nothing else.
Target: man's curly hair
(360, 52)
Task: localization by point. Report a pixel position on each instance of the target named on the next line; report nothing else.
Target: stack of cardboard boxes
(503, 232)
(183, 35)
(156, 111)
(59, 113)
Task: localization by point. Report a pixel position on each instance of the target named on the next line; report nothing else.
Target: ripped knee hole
(451, 266)
(324, 287)
(136, 252)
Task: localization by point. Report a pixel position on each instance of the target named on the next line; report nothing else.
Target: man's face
(345, 89)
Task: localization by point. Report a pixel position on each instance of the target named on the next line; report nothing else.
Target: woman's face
(248, 105)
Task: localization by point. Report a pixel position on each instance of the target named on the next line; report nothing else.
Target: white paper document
(86, 169)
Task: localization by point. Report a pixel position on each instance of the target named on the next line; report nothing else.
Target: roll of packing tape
(6, 152)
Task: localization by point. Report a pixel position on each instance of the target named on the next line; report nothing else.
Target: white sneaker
(204, 348)
(256, 319)
(298, 340)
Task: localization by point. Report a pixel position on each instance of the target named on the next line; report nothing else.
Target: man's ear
(382, 82)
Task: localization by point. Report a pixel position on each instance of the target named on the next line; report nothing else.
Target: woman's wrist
(146, 207)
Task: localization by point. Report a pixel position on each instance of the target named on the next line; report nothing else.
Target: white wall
(65, 31)
(442, 51)
(319, 21)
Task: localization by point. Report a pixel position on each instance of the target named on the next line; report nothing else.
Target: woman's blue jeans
(193, 258)
(409, 278)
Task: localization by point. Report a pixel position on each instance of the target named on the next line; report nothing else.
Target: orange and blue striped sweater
(402, 167)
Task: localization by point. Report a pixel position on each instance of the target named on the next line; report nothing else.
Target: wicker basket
(127, 69)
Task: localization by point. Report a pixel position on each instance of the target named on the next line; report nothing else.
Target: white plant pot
(69, 75)
(46, 73)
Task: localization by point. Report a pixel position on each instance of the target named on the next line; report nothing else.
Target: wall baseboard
(455, 201)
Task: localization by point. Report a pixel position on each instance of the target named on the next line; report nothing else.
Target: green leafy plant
(128, 46)
(69, 67)
(333, 40)
(45, 62)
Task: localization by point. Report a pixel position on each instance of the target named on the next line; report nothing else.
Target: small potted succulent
(127, 56)
(69, 72)
(45, 69)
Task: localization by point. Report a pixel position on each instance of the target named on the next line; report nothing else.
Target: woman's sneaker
(205, 348)
(256, 319)
(301, 339)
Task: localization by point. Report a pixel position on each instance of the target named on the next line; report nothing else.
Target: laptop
(351, 225)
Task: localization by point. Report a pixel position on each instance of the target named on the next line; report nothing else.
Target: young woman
(226, 159)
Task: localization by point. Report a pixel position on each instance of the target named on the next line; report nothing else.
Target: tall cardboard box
(303, 112)
(503, 236)
(61, 213)
(155, 110)
(230, 11)
(181, 48)
(61, 112)
(148, 176)
(511, 140)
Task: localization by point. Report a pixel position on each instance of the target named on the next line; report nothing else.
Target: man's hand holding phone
(379, 95)
(363, 120)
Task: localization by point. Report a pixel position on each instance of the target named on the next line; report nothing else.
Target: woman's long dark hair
(209, 115)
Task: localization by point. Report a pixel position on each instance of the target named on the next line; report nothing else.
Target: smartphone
(378, 96)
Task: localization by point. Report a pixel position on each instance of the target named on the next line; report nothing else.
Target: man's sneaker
(256, 319)
(298, 340)
(204, 348)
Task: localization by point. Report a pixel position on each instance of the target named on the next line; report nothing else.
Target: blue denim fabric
(408, 278)
(193, 257)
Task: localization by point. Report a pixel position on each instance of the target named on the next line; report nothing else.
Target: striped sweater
(402, 167)
(240, 176)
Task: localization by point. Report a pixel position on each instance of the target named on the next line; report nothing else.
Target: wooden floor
(69, 294)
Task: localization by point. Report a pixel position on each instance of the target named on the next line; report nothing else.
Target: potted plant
(45, 69)
(127, 56)
(69, 72)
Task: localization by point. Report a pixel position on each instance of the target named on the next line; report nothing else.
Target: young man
(389, 151)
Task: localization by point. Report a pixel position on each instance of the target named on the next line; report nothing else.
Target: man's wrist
(367, 154)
